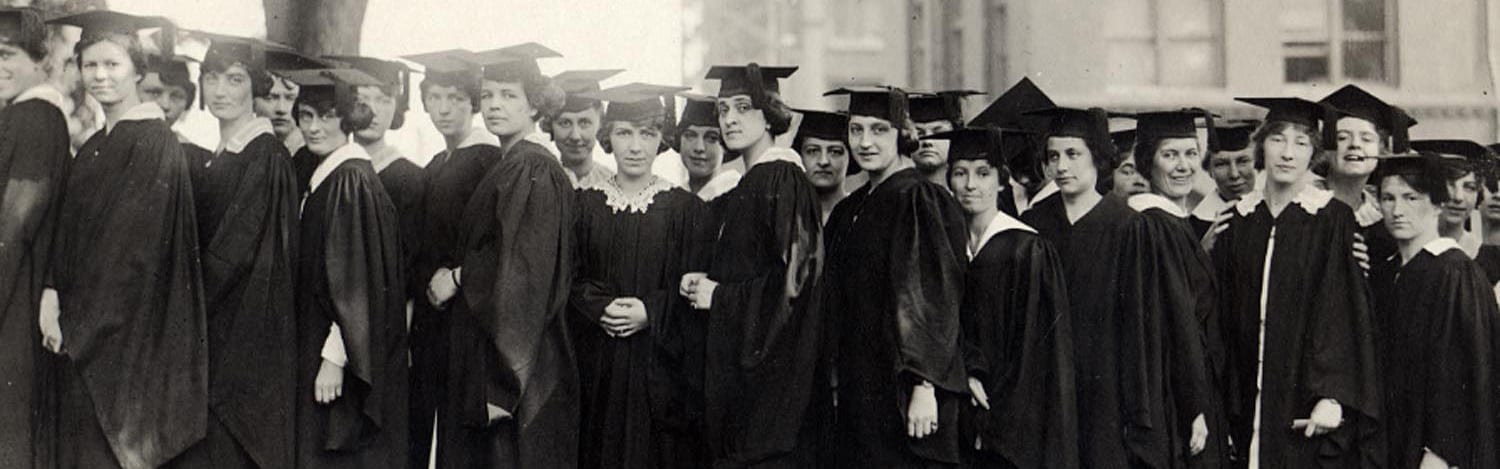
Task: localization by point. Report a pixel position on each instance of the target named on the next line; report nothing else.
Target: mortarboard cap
(936, 106)
(98, 24)
(390, 73)
(826, 126)
(1476, 158)
(577, 82)
(1091, 123)
(23, 28)
(1235, 134)
(231, 49)
(453, 67)
(699, 110)
(1124, 140)
(751, 79)
(985, 143)
(1011, 108)
(1300, 111)
(1175, 124)
(1356, 102)
(884, 102)
(638, 101)
(174, 72)
(1433, 166)
(514, 63)
(340, 82)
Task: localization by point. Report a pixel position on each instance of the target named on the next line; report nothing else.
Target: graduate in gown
(33, 169)
(894, 281)
(450, 95)
(1171, 353)
(1295, 311)
(351, 358)
(512, 397)
(129, 297)
(1017, 339)
(1234, 170)
(575, 127)
(764, 337)
(1010, 110)
(1464, 191)
(401, 177)
(701, 148)
(1087, 227)
(247, 205)
(1436, 317)
(169, 85)
(1368, 127)
(821, 140)
(640, 347)
(932, 113)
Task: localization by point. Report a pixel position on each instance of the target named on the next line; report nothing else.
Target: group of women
(995, 294)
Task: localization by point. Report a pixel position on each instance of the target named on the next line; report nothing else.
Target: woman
(351, 324)
(401, 177)
(1464, 191)
(763, 350)
(1300, 304)
(1436, 317)
(512, 379)
(33, 166)
(1017, 339)
(1234, 170)
(128, 296)
(897, 355)
(1086, 227)
(247, 214)
(640, 346)
(1169, 342)
(1369, 127)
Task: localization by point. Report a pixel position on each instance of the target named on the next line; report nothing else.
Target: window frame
(1159, 43)
(1338, 38)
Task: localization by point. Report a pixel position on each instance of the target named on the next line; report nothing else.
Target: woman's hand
(922, 412)
(624, 317)
(1220, 224)
(442, 287)
(1431, 460)
(496, 413)
(51, 329)
(977, 395)
(1199, 440)
(329, 384)
(1326, 416)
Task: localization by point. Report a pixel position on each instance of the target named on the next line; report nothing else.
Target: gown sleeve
(34, 161)
(927, 276)
(590, 295)
(1340, 360)
(1460, 393)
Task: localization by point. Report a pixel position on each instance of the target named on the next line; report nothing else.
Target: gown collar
(144, 111)
(1441, 245)
(721, 183)
(637, 202)
(1210, 207)
(387, 156)
(44, 92)
(350, 151)
(780, 154)
(1144, 201)
(236, 143)
(1368, 212)
(1311, 199)
(1000, 224)
(478, 136)
(1046, 191)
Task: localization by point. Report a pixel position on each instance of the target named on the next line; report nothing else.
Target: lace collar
(350, 151)
(1311, 199)
(1000, 224)
(1145, 201)
(637, 202)
(780, 154)
(236, 143)
(43, 92)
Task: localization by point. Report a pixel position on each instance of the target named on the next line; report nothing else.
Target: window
(1165, 42)
(1334, 41)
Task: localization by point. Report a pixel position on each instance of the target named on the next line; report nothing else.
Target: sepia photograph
(735, 234)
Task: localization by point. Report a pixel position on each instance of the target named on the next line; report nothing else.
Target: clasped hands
(698, 289)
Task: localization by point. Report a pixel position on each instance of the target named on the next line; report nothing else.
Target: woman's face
(228, 93)
(1407, 213)
(17, 72)
(385, 110)
(874, 142)
(1359, 142)
(1128, 181)
(1288, 154)
(1233, 172)
(320, 130)
(827, 162)
(1465, 194)
(976, 184)
(1489, 206)
(108, 74)
(505, 108)
(634, 148)
(1174, 165)
(741, 123)
(1073, 164)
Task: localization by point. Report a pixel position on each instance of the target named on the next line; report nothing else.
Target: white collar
(236, 143)
(144, 111)
(389, 155)
(1311, 199)
(478, 136)
(1441, 245)
(43, 92)
(1368, 212)
(721, 183)
(540, 138)
(1000, 224)
(350, 151)
(1047, 189)
(1210, 207)
(1144, 201)
(637, 202)
(780, 154)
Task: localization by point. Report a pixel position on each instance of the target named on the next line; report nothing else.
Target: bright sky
(642, 36)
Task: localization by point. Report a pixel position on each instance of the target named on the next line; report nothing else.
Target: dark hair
(1422, 182)
(1001, 172)
(354, 115)
(32, 36)
(659, 123)
(260, 79)
(1275, 127)
(467, 87)
(800, 139)
(1103, 154)
(1144, 154)
(129, 42)
(398, 116)
(683, 126)
(192, 91)
(778, 115)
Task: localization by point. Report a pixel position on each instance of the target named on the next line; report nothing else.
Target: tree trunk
(316, 27)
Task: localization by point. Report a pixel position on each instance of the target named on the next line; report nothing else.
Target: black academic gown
(764, 338)
(1170, 348)
(894, 282)
(197, 159)
(348, 272)
(1436, 317)
(1318, 337)
(247, 214)
(33, 168)
(1488, 259)
(450, 178)
(1378, 241)
(1090, 250)
(508, 341)
(132, 302)
(1018, 342)
(642, 395)
(404, 184)
(304, 162)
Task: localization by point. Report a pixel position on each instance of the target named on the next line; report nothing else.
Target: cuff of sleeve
(333, 347)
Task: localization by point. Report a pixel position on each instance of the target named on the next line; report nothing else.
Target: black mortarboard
(751, 79)
(936, 106)
(1181, 123)
(231, 49)
(174, 72)
(1234, 135)
(826, 126)
(1435, 167)
(985, 143)
(1300, 111)
(23, 28)
(102, 23)
(390, 73)
(452, 67)
(1011, 108)
(1124, 140)
(577, 82)
(514, 63)
(699, 110)
(1477, 158)
(1091, 123)
(638, 101)
(1356, 102)
(340, 82)
(884, 102)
